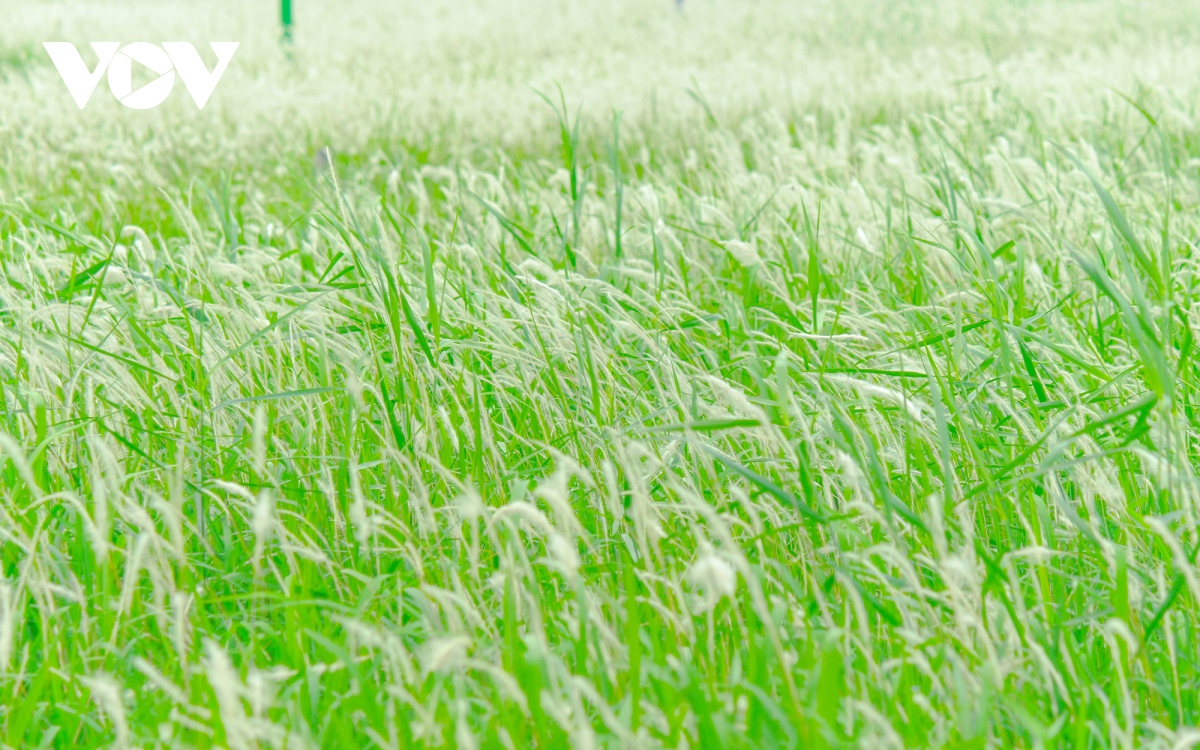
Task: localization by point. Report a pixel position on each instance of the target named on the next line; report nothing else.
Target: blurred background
(440, 80)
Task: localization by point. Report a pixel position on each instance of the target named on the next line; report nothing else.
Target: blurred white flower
(560, 179)
(228, 272)
(443, 654)
(716, 577)
(114, 276)
(743, 252)
(470, 506)
(563, 553)
(526, 512)
(107, 694)
(166, 311)
(863, 240)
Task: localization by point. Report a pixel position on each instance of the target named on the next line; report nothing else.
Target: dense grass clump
(740, 377)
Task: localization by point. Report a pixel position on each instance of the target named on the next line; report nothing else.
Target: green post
(285, 15)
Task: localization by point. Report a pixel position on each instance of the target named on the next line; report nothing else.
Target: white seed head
(715, 577)
(563, 553)
(444, 654)
(106, 692)
(743, 252)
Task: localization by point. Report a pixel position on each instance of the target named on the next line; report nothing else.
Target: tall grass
(855, 416)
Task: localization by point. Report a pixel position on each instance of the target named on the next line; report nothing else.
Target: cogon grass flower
(563, 553)
(744, 253)
(715, 577)
(444, 653)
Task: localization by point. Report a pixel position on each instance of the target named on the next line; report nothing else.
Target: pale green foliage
(838, 392)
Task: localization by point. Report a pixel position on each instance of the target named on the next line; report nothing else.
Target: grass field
(549, 374)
